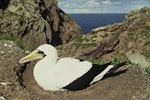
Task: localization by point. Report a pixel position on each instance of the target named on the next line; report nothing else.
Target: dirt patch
(130, 85)
(10, 76)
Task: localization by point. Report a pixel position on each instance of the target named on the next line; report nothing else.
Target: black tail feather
(111, 72)
(117, 66)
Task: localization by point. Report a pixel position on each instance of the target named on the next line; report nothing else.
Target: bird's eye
(40, 52)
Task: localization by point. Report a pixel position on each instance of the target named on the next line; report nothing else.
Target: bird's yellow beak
(32, 56)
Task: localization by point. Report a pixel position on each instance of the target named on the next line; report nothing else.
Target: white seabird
(67, 73)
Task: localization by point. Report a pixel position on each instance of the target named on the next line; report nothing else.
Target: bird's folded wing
(69, 69)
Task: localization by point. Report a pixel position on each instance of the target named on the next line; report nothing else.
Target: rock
(136, 18)
(137, 58)
(37, 22)
(110, 28)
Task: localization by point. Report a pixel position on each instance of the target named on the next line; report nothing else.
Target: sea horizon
(96, 13)
(89, 21)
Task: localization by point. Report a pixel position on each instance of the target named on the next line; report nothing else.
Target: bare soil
(17, 82)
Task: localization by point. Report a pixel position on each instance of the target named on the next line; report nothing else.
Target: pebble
(2, 52)
(2, 98)
(5, 44)
(5, 83)
(8, 45)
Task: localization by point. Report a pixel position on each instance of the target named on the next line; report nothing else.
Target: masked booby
(67, 73)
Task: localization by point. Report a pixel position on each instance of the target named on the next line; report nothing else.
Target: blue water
(90, 21)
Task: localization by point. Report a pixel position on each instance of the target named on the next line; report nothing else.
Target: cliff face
(37, 22)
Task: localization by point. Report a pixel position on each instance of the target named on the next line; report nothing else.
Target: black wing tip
(116, 66)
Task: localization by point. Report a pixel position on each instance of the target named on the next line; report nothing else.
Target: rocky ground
(17, 82)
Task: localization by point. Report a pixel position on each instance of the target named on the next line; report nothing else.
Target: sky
(101, 6)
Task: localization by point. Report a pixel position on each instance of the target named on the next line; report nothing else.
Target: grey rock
(38, 19)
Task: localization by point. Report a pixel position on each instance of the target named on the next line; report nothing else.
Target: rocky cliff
(37, 22)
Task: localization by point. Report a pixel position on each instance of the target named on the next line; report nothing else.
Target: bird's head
(39, 53)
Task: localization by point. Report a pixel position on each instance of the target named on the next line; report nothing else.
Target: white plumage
(68, 73)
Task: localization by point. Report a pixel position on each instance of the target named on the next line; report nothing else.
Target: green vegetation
(115, 61)
(96, 61)
(83, 42)
(147, 43)
(83, 39)
(79, 39)
(4, 36)
(147, 69)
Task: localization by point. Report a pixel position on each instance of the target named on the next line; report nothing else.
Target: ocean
(90, 21)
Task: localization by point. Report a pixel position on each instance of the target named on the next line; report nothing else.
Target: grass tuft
(4, 36)
(96, 61)
(147, 69)
(115, 61)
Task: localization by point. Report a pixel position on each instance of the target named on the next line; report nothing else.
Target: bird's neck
(51, 60)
